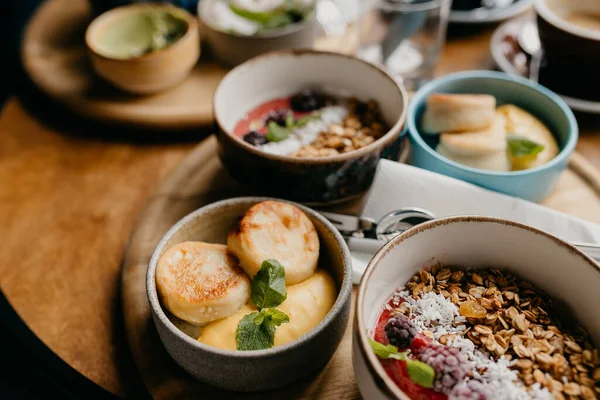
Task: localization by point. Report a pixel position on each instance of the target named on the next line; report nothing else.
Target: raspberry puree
(259, 114)
(396, 369)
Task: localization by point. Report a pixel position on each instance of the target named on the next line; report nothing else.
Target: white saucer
(488, 15)
(498, 47)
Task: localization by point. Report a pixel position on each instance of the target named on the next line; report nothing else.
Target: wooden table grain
(70, 203)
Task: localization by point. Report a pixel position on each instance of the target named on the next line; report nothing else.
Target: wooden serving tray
(201, 179)
(55, 58)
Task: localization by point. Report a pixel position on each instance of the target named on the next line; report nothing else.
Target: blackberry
(278, 116)
(470, 390)
(400, 331)
(254, 138)
(307, 100)
(449, 364)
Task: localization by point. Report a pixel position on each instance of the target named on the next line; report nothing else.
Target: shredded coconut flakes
(434, 313)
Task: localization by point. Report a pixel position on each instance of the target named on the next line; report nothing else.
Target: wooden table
(71, 202)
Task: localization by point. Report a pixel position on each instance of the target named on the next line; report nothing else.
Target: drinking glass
(405, 36)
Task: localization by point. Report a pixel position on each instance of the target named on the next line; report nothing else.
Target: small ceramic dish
(232, 48)
(260, 369)
(552, 265)
(532, 184)
(316, 180)
(143, 48)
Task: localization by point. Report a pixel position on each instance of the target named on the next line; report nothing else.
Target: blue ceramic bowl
(533, 184)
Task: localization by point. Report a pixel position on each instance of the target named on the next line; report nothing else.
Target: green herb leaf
(278, 20)
(250, 336)
(289, 120)
(307, 118)
(274, 317)
(256, 330)
(259, 319)
(277, 133)
(262, 17)
(268, 285)
(386, 351)
(520, 146)
(420, 373)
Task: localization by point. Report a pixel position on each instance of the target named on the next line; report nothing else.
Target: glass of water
(405, 36)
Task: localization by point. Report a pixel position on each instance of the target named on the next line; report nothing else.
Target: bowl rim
(105, 18)
(344, 291)
(561, 157)
(360, 328)
(562, 24)
(392, 134)
(290, 29)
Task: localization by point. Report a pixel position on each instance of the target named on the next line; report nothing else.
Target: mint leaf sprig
(277, 133)
(256, 331)
(419, 372)
(519, 146)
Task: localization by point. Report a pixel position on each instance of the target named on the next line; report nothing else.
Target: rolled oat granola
(515, 341)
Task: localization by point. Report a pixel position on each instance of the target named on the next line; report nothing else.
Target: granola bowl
(483, 308)
(308, 101)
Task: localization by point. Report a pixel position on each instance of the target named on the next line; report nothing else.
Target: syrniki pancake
(476, 143)
(275, 230)
(307, 304)
(201, 282)
(522, 123)
(485, 149)
(458, 112)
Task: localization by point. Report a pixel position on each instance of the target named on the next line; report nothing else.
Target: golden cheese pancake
(522, 123)
(276, 230)
(201, 282)
(477, 143)
(307, 304)
(458, 112)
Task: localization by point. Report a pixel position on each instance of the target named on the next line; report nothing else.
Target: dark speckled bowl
(307, 180)
(261, 369)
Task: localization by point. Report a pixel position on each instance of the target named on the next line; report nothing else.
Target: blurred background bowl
(149, 73)
(532, 184)
(232, 48)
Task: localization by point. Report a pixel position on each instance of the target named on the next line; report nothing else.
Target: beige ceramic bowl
(148, 73)
(259, 369)
(233, 49)
(551, 264)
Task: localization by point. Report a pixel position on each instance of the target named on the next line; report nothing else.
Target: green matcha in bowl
(143, 48)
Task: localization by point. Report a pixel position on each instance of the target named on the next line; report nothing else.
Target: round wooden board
(55, 58)
(201, 179)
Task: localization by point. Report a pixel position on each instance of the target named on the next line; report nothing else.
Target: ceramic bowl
(532, 184)
(261, 369)
(233, 49)
(549, 263)
(149, 73)
(572, 52)
(308, 180)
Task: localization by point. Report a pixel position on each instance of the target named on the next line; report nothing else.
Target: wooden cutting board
(201, 179)
(55, 58)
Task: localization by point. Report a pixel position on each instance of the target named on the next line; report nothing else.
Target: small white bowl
(552, 265)
(233, 49)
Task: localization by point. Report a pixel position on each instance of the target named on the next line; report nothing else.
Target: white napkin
(400, 185)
